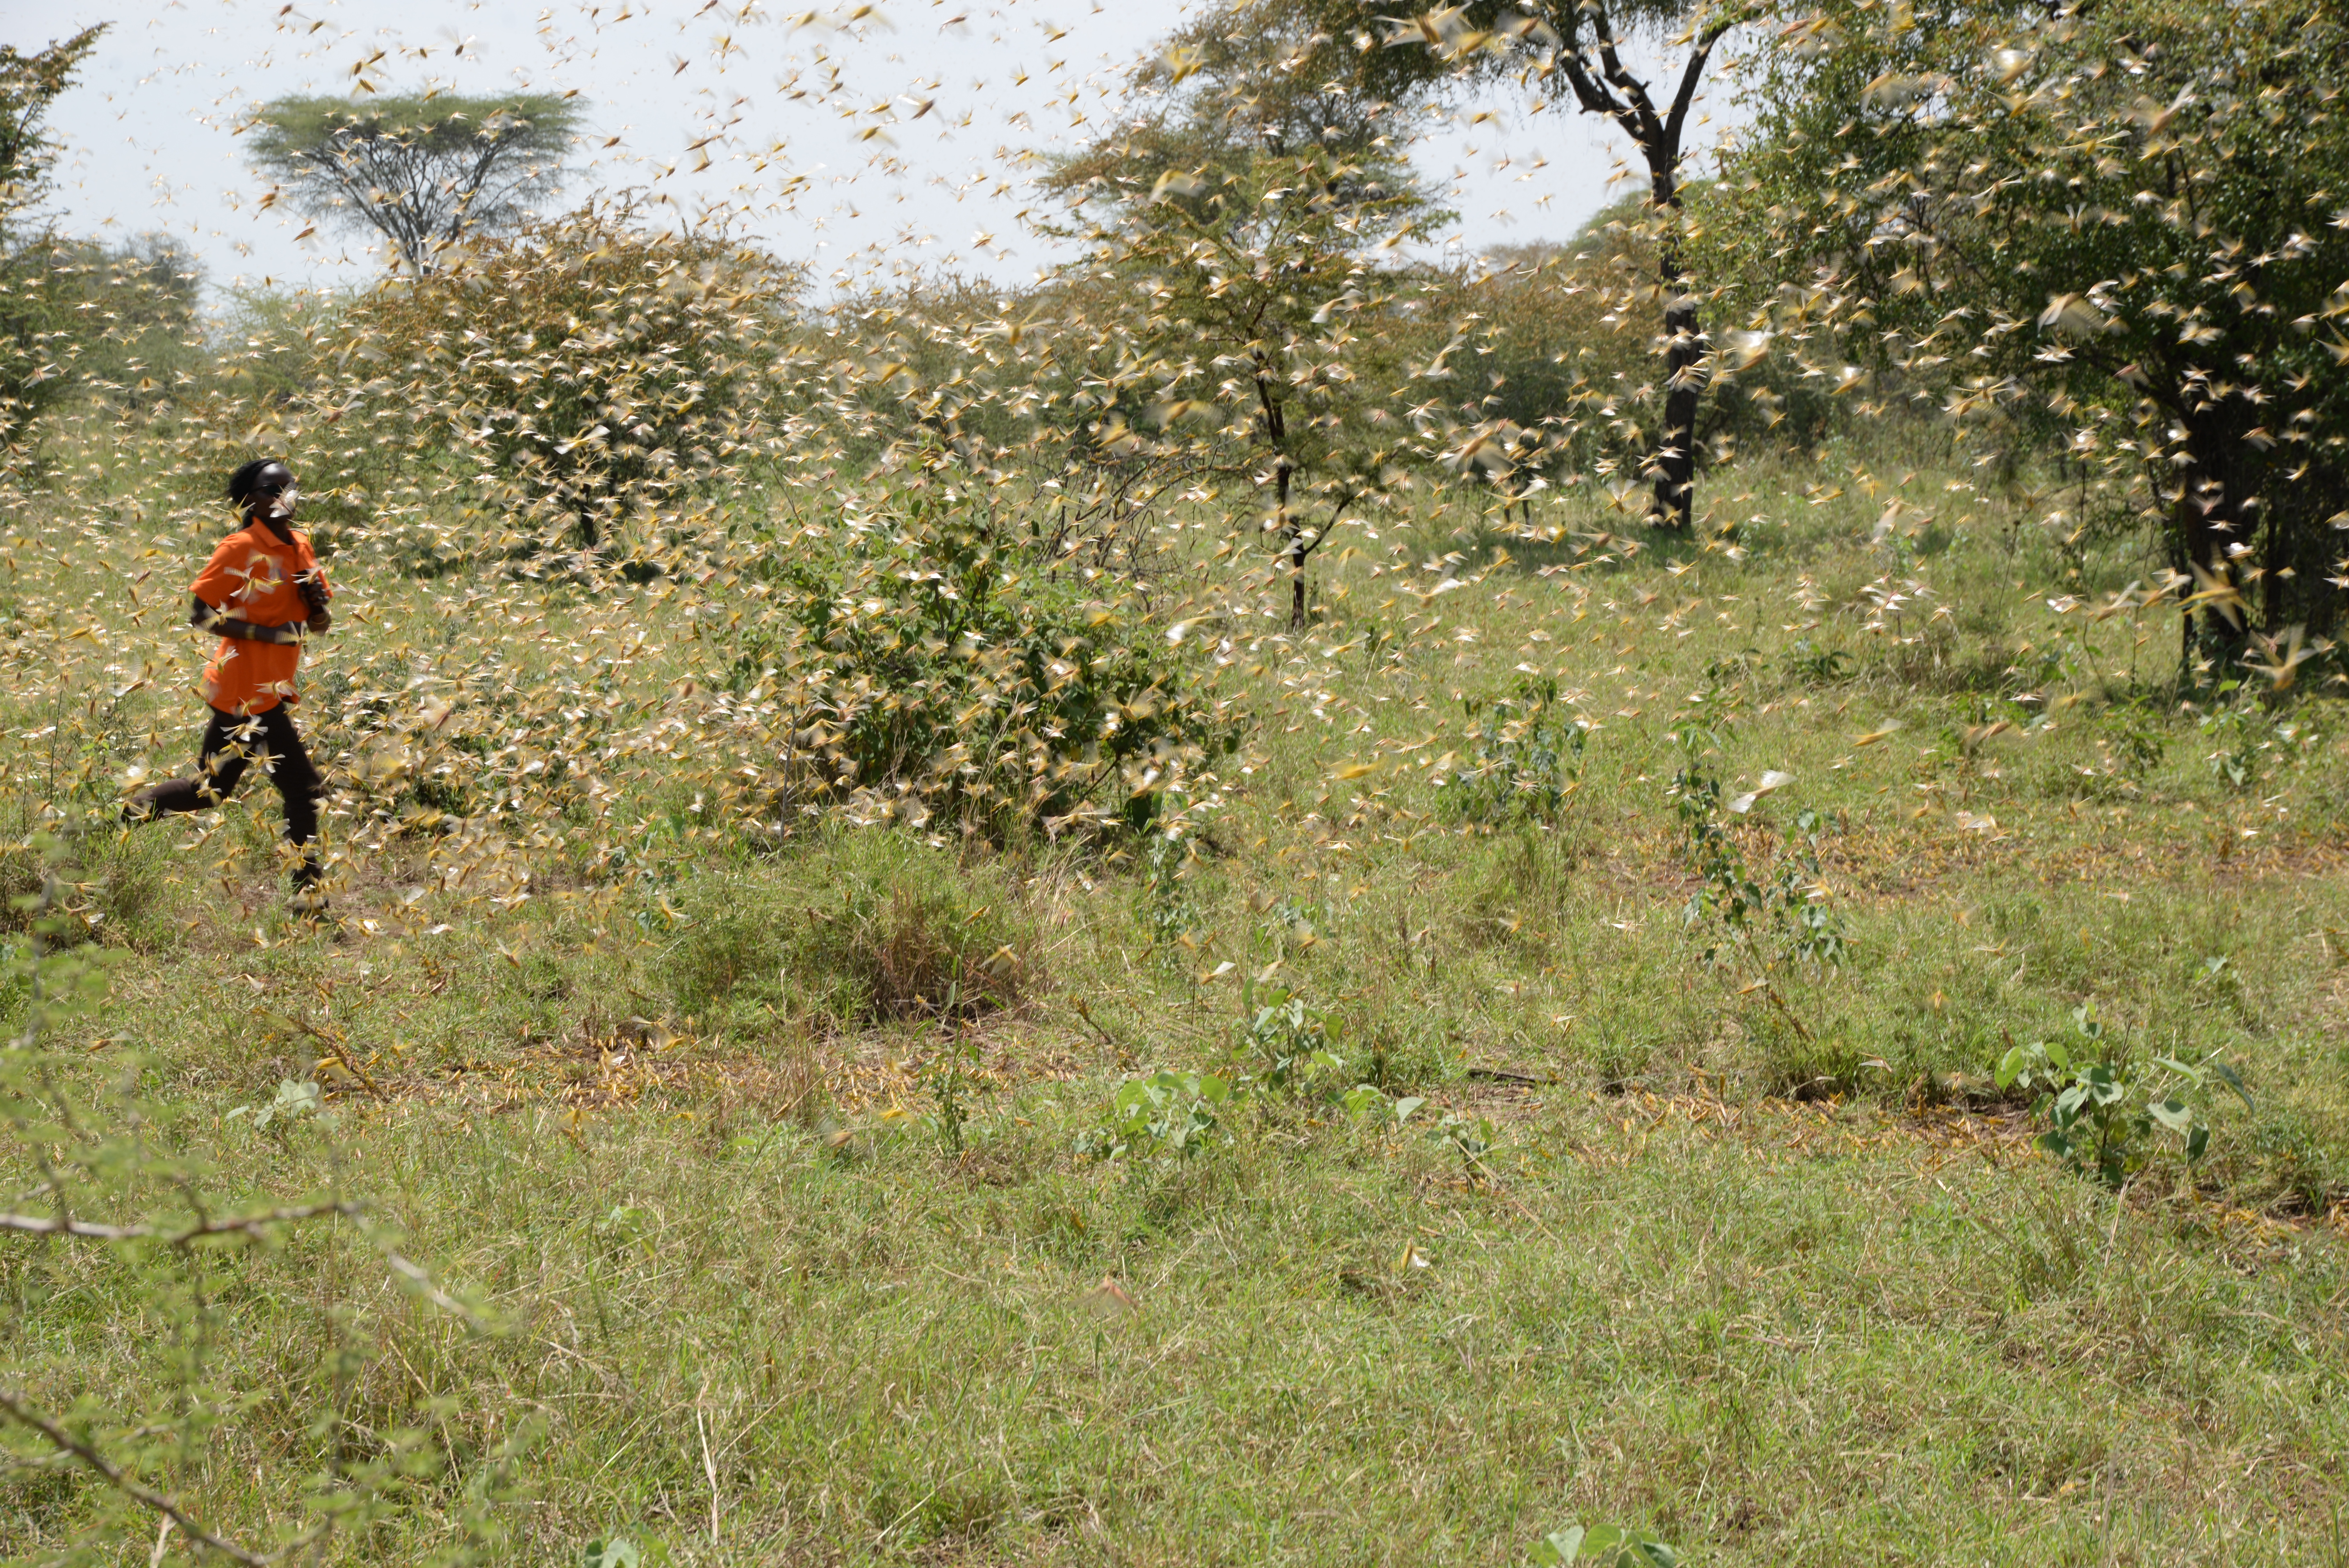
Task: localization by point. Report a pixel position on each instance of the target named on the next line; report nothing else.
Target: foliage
(295, 1100)
(1375, 1105)
(1284, 1038)
(1786, 904)
(1578, 52)
(29, 83)
(1817, 666)
(1231, 271)
(79, 318)
(585, 376)
(108, 1196)
(2242, 730)
(1605, 1546)
(1168, 908)
(2082, 228)
(424, 171)
(2102, 1110)
(619, 1551)
(930, 666)
(1170, 1113)
(1284, 1041)
(32, 315)
(952, 1080)
(1525, 756)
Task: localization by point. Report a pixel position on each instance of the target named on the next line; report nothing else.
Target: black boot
(309, 900)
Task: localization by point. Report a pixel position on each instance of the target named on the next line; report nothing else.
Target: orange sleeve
(220, 581)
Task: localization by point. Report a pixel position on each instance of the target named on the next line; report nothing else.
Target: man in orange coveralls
(262, 591)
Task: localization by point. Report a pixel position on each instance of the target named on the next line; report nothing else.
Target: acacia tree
(2104, 231)
(420, 171)
(1234, 223)
(1581, 47)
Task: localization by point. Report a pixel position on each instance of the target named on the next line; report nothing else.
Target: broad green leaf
(1560, 1546)
(2234, 1080)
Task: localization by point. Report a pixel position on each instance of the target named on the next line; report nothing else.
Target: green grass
(1770, 1270)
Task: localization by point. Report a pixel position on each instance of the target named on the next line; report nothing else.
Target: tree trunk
(2207, 519)
(1281, 468)
(1675, 479)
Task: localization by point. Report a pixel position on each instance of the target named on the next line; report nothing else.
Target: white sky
(150, 128)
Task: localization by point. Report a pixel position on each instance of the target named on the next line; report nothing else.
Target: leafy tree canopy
(28, 84)
(1235, 222)
(2119, 226)
(32, 310)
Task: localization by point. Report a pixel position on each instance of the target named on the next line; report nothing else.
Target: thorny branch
(228, 1224)
(14, 1404)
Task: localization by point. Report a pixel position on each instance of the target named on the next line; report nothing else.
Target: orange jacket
(251, 578)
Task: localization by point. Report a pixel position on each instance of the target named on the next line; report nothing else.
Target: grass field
(763, 1233)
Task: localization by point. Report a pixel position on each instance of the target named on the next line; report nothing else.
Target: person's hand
(321, 620)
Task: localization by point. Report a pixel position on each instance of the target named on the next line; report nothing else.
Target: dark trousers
(231, 741)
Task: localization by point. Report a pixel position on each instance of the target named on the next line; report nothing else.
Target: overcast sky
(807, 128)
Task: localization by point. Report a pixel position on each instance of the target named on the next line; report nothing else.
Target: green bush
(2102, 1108)
(588, 372)
(1525, 754)
(925, 662)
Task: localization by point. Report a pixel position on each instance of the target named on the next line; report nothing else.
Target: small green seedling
(2102, 1113)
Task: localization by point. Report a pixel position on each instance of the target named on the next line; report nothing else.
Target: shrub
(1525, 753)
(1174, 1113)
(924, 663)
(2102, 1108)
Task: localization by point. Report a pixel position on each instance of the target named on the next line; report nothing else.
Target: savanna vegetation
(1677, 897)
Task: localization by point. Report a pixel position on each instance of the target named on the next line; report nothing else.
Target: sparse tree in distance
(422, 172)
(1234, 222)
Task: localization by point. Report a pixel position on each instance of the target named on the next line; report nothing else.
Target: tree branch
(1651, 132)
(14, 1404)
(248, 1224)
(1675, 126)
